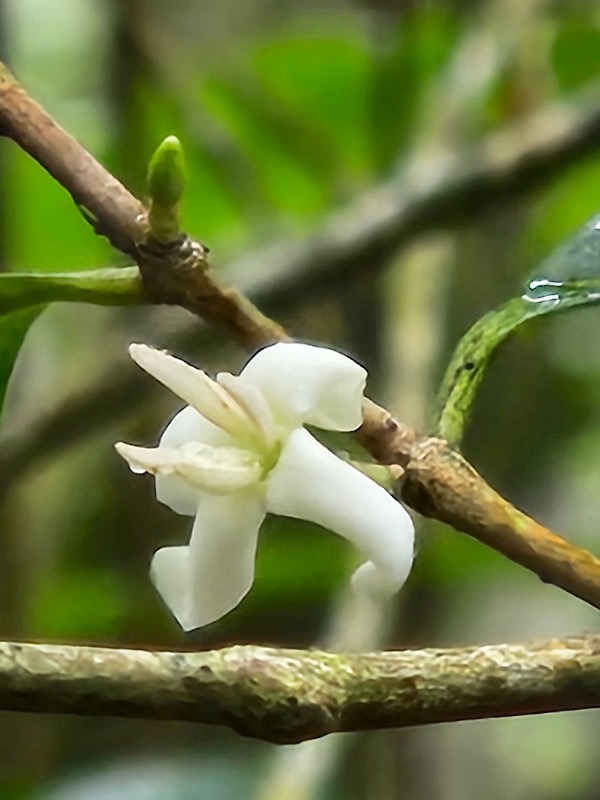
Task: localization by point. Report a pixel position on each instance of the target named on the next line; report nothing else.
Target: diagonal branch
(176, 273)
(294, 695)
(113, 211)
(439, 483)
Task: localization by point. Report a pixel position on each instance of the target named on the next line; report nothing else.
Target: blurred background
(289, 111)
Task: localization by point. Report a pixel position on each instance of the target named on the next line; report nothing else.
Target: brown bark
(293, 695)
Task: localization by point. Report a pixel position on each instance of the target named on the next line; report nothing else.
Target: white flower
(239, 450)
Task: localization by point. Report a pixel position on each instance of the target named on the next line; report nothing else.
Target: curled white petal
(309, 482)
(308, 384)
(204, 581)
(195, 387)
(217, 470)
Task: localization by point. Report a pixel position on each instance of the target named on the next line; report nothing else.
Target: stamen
(195, 387)
(216, 470)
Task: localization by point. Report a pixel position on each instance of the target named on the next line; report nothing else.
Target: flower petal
(186, 426)
(195, 387)
(216, 470)
(308, 384)
(253, 401)
(309, 482)
(204, 581)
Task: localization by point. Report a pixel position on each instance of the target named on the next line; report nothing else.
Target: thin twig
(112, 210)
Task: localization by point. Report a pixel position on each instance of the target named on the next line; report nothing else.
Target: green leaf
(106, 287)
(43, 228)
(399, 73)
(357, 97)
(324, 81)
(282, 174)
(558, 211)
(24, 296)
(13, 329)
(568, 279)
(575, 53)
(86, 602)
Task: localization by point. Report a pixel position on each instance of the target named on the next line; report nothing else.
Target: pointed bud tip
(171, 142)
(166, 173)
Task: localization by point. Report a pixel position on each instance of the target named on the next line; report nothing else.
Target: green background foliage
(286, 112)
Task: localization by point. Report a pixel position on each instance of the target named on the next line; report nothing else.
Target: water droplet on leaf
(571, 272)
(542, 290)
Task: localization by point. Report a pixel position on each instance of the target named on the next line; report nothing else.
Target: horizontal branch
(293, 695)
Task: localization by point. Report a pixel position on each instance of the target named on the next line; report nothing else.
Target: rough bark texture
(178, 274)
(438, 482)
(289, 696)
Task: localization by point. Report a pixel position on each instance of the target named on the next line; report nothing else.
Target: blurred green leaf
(299, 560)
(45, 230)
(325, 82)
(557, 212)
(38, 239)
(282, 175)
(13, 330)
(576, 53)
(503, 98)
(80, 602)
(400, 71)
(449, 558)
(23, 297)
